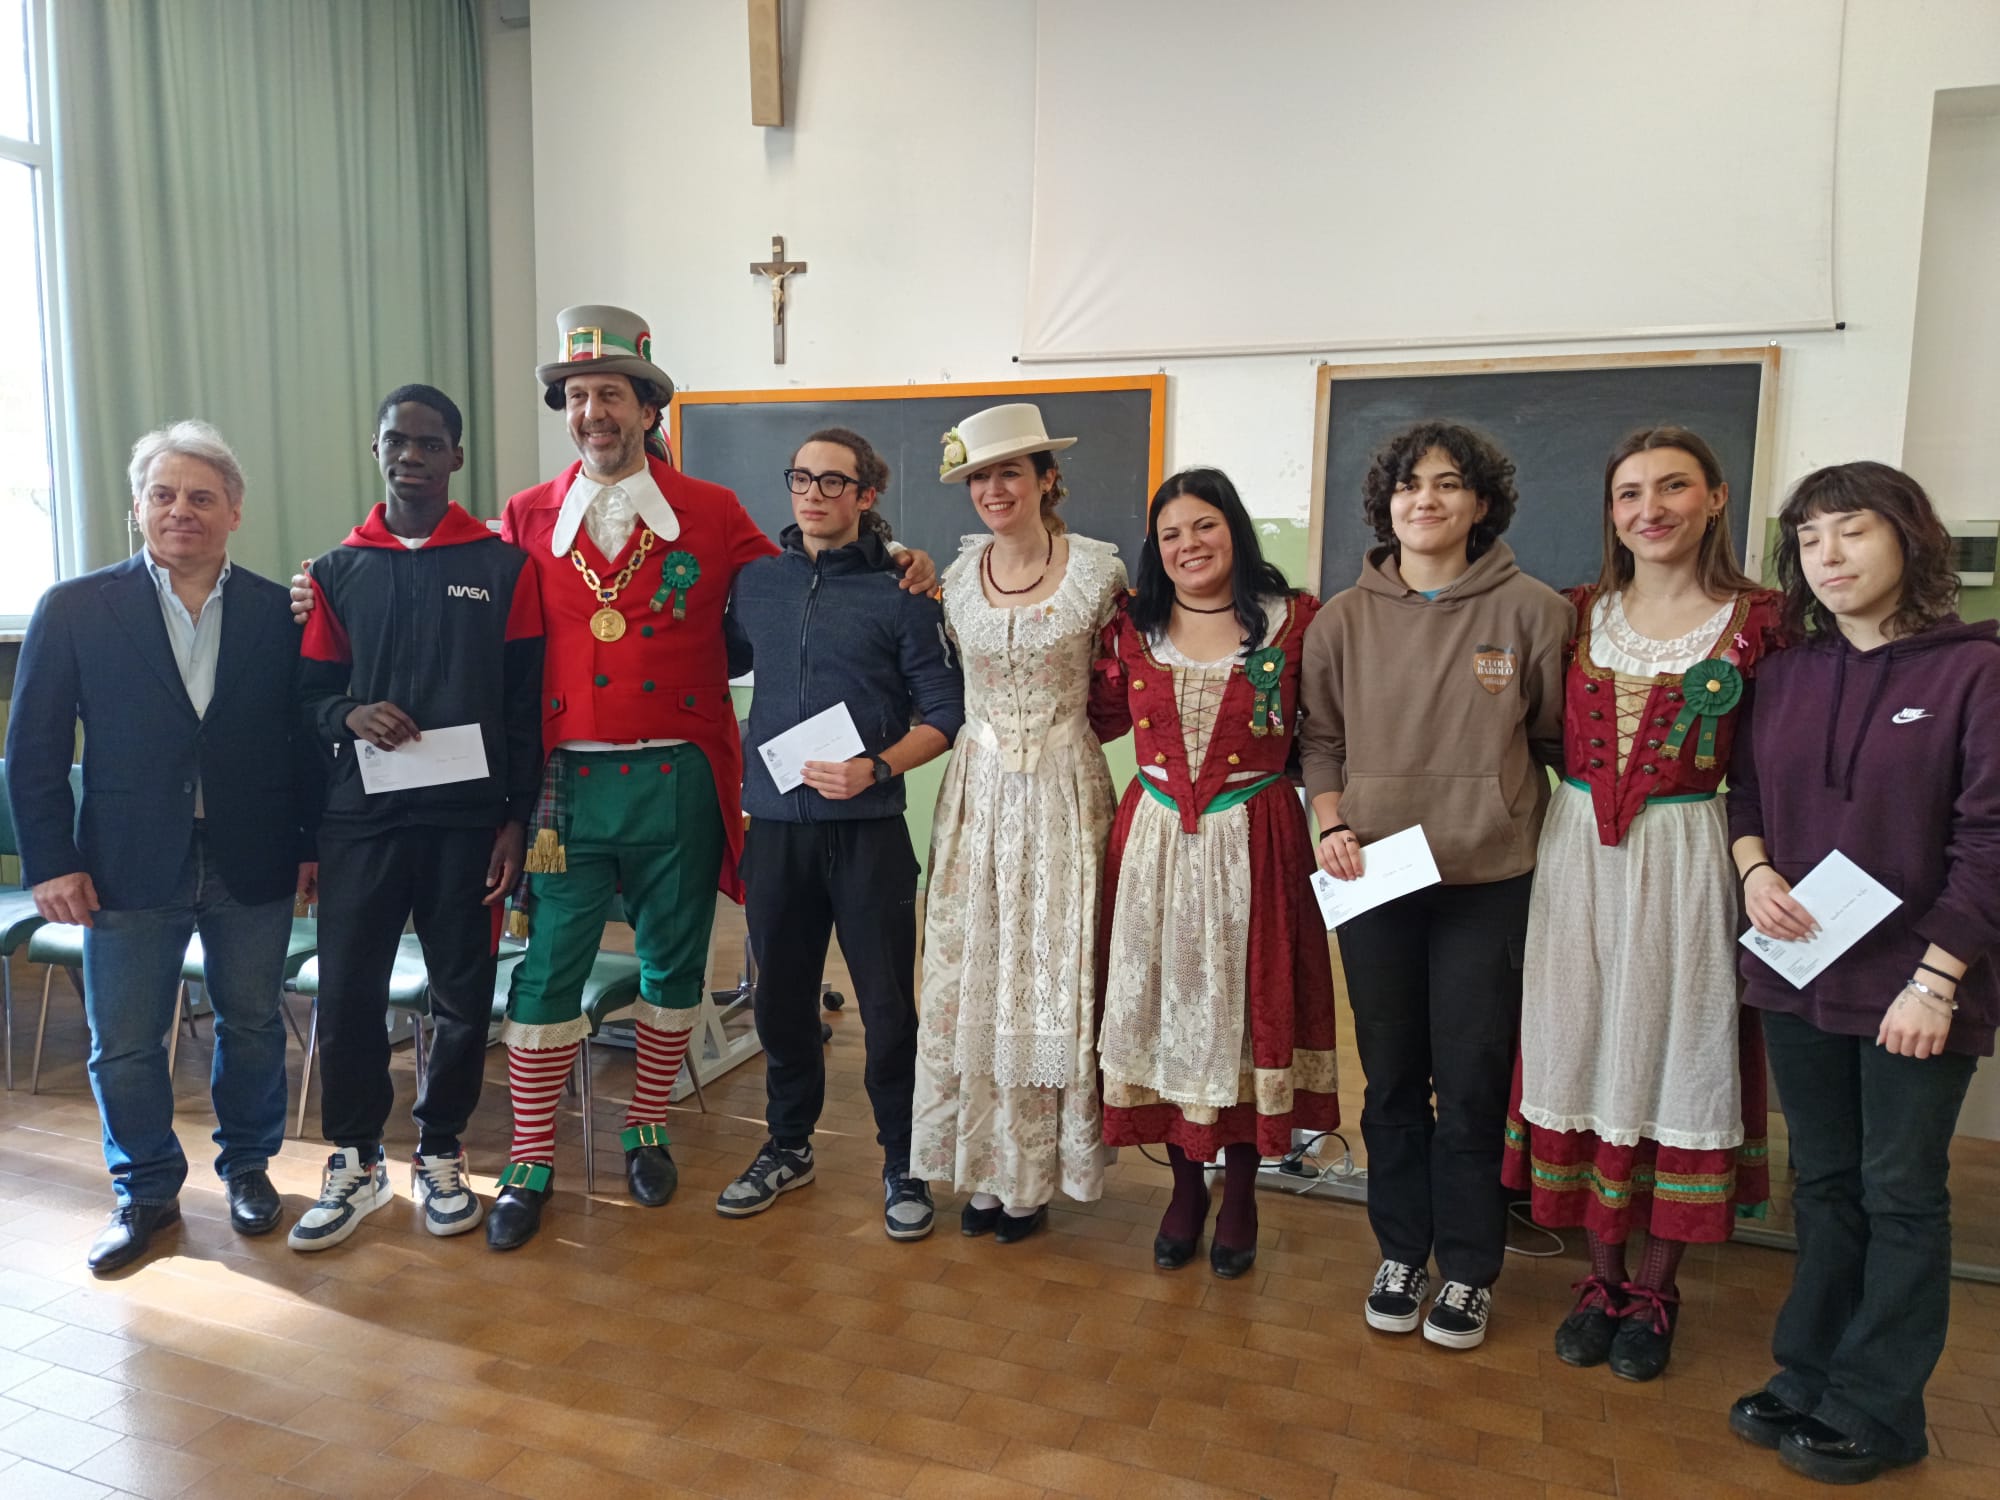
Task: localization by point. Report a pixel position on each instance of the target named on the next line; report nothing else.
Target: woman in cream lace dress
(1006, 1097)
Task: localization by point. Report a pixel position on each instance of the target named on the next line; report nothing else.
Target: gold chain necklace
(608, 624)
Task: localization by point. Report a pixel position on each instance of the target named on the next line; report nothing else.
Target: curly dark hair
(1930, 586)
(869, 467)
(1488, 472)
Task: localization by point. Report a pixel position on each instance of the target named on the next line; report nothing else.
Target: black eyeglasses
(832, 484)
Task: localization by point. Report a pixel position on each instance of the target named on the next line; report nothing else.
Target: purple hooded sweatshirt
(1891, 756)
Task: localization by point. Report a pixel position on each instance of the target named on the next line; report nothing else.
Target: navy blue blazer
(97, 651)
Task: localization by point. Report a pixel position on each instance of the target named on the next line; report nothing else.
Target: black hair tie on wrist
(1942, 974)
(1744, 879)
(1327, 833)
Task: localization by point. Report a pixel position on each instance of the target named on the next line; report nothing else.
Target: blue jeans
(1870, 1134)
(131, 971)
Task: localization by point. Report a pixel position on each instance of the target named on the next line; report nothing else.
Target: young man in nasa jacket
(424, 620)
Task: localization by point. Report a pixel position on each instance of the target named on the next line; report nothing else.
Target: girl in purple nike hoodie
(1879, 737)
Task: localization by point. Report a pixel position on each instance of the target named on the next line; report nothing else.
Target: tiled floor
(639, 1353)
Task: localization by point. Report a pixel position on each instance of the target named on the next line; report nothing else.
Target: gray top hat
(596, 338)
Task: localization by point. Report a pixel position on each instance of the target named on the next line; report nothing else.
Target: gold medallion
(607, 625)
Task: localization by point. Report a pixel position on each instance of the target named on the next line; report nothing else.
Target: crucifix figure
(777, 268)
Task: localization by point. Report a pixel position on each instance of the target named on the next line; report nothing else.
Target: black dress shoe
(1825, 1453)
(1169, 1253)
(129, 1233)
(650, 1174)
(1008, 1229)
(253, 1203)
(973, 1222)
(1763, 1419)
(1584, 1337)
(1228, 1263)
(517, 1208)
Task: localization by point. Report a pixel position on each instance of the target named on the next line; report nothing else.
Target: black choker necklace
(1220, 609)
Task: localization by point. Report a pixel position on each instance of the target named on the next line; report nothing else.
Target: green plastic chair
(59, 945)
(18, 917)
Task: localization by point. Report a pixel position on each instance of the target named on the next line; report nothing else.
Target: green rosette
(1709, 689)
(679, 572)
(1266, 669)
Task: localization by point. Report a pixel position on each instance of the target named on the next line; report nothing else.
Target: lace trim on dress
(1617, 646)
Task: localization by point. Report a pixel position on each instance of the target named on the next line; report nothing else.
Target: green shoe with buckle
(517, 1208)
(650, 1172)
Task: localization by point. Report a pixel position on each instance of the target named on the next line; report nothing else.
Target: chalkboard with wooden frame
(1558, 418)
(746, 439)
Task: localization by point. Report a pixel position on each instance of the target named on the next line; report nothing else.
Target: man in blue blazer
(198, 793)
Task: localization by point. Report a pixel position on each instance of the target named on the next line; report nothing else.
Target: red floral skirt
(1695, 1197)
(1288, 999)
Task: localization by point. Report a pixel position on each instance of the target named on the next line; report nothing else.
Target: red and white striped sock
(535, 1082)
(660, 1057)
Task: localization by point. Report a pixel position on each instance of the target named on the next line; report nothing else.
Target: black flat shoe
(650, 1174)
(1584, 1338)
(1825, 1453)
(129, 1234)
(254, 1206)
(517, 1208)
(973, 1222)
(1645, 1338)
(1010, 1230)
(1227, 1263)
(1763, 1419)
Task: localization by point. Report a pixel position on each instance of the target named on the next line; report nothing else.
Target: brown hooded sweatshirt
(1437, 711)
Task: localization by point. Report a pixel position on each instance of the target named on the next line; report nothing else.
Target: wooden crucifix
(777, 268)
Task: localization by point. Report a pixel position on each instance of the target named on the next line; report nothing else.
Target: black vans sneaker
(1458, 1318)
(776, 1170)
(1397, 1299)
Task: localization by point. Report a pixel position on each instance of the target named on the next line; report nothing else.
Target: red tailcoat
(665, 679)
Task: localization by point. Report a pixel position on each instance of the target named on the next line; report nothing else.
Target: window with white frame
(28, 376)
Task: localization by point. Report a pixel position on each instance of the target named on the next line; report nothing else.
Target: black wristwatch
(882, 771)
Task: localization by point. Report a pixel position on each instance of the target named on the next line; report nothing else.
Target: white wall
(510, 216)
(904, 180)
(1955, 362)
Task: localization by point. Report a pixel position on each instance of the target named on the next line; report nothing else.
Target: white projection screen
(1274, 175)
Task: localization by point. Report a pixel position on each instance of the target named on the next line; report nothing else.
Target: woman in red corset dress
(1218, 1031)
(1639, 1096)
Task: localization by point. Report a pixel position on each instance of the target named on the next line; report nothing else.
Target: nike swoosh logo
(1910, 715)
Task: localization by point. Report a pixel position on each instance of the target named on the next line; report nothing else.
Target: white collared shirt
(196, 640)
(610, 511)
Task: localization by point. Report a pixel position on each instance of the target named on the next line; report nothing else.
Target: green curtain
(271, 212)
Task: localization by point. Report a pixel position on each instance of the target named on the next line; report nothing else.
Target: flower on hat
(954, 453)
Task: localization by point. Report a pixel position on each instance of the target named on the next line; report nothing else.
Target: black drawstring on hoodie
(1841, 652)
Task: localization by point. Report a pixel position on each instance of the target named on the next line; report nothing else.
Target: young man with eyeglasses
(826, 624)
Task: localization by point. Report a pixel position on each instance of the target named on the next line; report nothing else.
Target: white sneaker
(450, 1205)
(348, 1195)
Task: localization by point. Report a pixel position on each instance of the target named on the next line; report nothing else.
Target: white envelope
(1390, 867)
(1845, 900)
(442, 755)
(830, 735)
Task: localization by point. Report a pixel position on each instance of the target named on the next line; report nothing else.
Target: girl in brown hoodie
(1433, 694)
